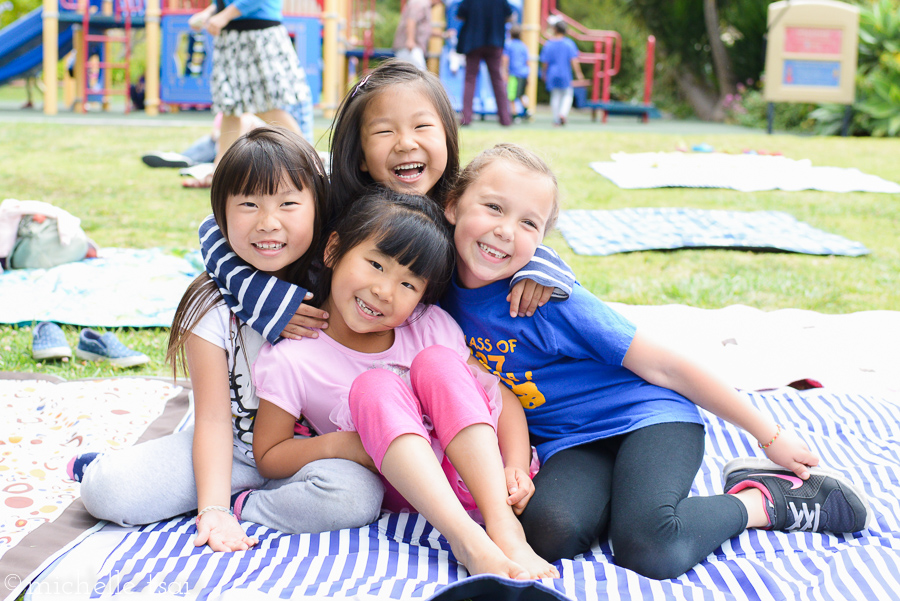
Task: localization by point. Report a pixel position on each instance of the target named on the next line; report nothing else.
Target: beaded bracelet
(213, 508)
(769, 444)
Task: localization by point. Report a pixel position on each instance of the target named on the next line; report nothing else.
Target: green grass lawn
(96, 174)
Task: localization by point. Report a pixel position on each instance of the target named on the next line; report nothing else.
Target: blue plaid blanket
(629, 230)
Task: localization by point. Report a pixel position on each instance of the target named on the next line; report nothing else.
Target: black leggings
(634, 487)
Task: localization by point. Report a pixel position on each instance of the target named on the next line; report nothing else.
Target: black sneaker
(825, 502)
(166, 159)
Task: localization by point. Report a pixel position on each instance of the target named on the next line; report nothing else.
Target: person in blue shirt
(516, 59)
(612, 413)
(559, 59)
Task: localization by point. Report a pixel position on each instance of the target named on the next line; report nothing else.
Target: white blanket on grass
(744, 172)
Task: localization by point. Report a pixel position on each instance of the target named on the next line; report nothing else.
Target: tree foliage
(10, 10)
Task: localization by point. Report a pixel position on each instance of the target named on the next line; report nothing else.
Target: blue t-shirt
(565, 365)
(517, 52)
(269, 10)
(557, 55)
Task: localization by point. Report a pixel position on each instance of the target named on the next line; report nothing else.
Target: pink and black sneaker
(826, 502)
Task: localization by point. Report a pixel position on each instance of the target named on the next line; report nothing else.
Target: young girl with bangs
(396, 128)
(269, 196)
(395, 368)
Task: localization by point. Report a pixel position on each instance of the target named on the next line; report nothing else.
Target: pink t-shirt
(312, 377)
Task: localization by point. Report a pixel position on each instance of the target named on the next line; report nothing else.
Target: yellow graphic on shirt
(527, 391)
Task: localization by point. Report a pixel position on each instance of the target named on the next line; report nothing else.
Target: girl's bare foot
(481, 555)
(510, 538)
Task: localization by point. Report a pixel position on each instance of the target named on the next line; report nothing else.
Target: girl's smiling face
(371, 293)
(270, 232)
(404, 144)
(500, 219)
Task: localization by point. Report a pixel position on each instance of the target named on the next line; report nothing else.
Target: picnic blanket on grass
(45, 422)
(597, 232)
(743, 172)
(121, 287)
(402, 557)
(852, 424)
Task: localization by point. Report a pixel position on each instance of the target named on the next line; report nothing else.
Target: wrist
(209, 508)
(771, 441)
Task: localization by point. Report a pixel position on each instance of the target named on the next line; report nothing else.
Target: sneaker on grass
(96, 347)
(826, 502)
(166, 159)
(49, 342)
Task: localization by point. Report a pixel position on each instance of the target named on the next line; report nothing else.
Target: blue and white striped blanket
(402, 557)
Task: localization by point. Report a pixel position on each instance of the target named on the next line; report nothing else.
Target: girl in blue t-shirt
(559, 59)
(612, 413)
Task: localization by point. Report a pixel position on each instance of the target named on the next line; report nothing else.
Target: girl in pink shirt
(388, 385)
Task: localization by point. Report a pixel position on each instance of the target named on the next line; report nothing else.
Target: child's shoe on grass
(825, 502)
(96, 347)
(49, 342)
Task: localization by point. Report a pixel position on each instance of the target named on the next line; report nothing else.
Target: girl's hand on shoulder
(526, 296)
(788, 451)
(222, 532)
(306, 322)
(520, 488)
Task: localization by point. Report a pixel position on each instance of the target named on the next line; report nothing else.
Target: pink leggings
(445, 398)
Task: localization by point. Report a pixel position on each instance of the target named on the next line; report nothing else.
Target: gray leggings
(154, 481)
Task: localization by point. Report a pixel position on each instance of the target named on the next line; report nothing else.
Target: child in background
(255, 67)
(396, 128)
(425, 420)
(559, 59)
(515, 58)
(269, 195)
(611, 412)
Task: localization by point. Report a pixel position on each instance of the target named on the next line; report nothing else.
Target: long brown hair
(259, 163)
(348, 181)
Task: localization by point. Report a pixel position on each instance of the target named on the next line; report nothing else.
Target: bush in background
(876, 111)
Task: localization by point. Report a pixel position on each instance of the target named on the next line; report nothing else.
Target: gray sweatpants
(154, 481)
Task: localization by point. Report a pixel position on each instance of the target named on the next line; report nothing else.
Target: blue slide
(21, 45)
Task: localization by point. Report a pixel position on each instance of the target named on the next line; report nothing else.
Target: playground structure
(334, 41)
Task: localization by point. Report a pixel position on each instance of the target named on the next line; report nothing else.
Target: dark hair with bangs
(261, 162)
(348, 180)
(411, 229)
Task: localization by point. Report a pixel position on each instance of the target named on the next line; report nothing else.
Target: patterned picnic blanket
(744, 172)
(403, 557)
(628, 230)
(122, 287)
(45, 423)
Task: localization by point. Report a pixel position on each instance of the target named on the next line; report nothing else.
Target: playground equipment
(605, 60)
(186, 55)
(334, 41)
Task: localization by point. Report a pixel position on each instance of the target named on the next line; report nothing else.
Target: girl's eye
(493, 207)
(530, 223)
(410, 286)
(424, 125)
(377, 265)
(247, 203)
